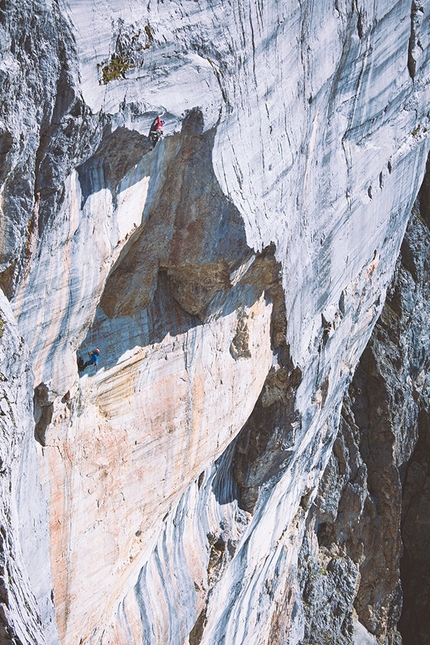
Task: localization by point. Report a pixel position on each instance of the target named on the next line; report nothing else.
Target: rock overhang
(313, 155)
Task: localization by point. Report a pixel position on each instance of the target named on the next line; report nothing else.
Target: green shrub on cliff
(115, 69)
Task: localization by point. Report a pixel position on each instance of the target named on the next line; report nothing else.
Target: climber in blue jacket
(94, 357)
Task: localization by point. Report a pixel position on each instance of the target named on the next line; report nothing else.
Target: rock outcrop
(27, 613)
(367, 540)
(231, 277)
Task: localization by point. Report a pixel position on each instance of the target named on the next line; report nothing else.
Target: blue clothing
(94, 357)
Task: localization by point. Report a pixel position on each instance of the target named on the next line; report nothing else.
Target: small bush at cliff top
(115, 69)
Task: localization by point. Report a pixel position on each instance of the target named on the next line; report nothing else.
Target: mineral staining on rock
(231, 277)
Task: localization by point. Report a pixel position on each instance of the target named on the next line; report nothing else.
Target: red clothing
(159, 124)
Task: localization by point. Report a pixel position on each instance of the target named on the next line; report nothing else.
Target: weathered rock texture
(27, 612)
(414, 565)
(231, 277)
(373, 499)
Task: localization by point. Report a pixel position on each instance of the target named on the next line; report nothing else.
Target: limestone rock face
(231, 276)
(27, 612)
(370, 518)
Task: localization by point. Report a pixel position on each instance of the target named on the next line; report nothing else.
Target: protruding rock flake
(246, 462)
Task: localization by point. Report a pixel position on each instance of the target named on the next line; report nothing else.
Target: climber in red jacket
(156, 130)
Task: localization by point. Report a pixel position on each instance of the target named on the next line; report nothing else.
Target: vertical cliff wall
(231, 277)
(366, 544)
(27, 613)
